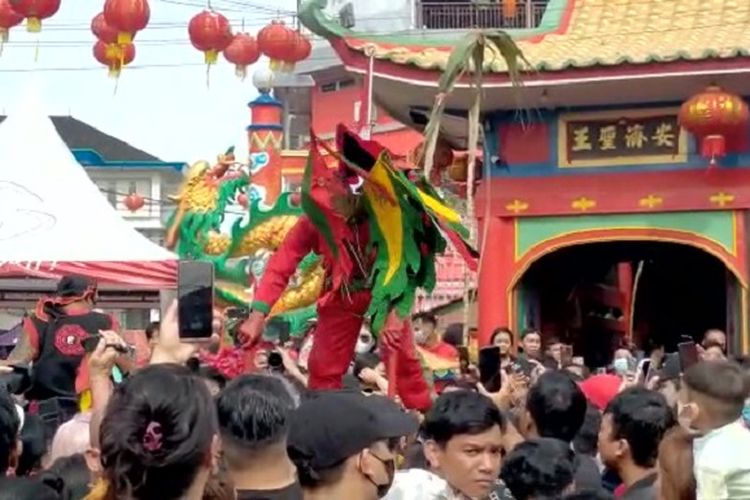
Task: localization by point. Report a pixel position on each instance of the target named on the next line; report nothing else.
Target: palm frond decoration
(469, 56)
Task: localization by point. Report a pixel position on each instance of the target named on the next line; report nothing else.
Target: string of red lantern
(114, 56)
(242, 51)
(127, 17)
(34, 11)
(714, 116)
(9, 18)
(134, 202)
(210, 32)
(276, 42)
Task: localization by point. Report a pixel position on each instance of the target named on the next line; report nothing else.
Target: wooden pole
(473, 139)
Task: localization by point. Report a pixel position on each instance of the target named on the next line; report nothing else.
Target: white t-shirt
(722, 463)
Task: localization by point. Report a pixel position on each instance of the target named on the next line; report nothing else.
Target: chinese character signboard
(604, 139)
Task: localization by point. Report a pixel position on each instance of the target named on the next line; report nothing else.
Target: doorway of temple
(600, 295)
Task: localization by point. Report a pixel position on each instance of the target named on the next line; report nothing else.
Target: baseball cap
(331, 426)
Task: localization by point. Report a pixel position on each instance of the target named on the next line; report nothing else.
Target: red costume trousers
(340, 319)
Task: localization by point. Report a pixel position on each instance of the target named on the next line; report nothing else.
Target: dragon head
(205, 194)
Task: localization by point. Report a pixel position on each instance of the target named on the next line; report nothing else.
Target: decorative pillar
(495, 286)
(265, 135)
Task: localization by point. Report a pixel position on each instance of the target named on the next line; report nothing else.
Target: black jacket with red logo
(59, 350)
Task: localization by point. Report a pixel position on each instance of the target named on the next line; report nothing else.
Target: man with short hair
(439, 356)
(716, 337)
(343, 444)
(539, 468)
(556, 408)
(463, 443)
(632, 428)
(711, 400)
(253, 414)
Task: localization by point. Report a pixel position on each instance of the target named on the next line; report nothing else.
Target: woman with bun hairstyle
(158, 437)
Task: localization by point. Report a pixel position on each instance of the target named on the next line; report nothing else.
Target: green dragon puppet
(214, 221)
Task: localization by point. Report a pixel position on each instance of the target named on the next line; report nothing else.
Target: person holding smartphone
(503, 338)
(52, 339)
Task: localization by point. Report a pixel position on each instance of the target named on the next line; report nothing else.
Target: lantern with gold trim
(34, 11)
(714, 116)
(9, 18)
(127, 17)
(114, 56)
(276, 41)
(210, 32)
(242, 51)
(299, 50)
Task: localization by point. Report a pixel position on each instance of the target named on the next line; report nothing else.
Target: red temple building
(604, 218)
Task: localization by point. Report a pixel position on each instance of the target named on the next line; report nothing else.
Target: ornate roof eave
(419, 55)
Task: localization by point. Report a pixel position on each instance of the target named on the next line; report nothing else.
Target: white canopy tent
(55, 221)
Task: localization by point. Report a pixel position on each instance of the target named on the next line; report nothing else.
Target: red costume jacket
(340, 314)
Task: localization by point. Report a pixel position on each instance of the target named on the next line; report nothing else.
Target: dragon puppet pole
(366, 115)
(473, 139)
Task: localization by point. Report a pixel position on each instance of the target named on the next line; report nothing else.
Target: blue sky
(167, 111)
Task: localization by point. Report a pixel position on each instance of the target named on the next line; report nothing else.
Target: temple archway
(595, 294)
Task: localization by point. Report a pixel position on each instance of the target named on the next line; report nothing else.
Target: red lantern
(127, 17)
(509, 9)
(277, 42)
(211, 33)
(114, 56)
(712, 116)
(34, 11)
(134, 202)
(103, 31)
(8, 19)
(300, 49)
(242, 52)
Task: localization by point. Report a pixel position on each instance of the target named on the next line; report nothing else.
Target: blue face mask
(621, 366)
(746, 414)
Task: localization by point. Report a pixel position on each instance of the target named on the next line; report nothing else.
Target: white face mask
(365, 342)
(621, 366)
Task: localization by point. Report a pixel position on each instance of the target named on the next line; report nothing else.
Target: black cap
(332, 426)
(73, 286)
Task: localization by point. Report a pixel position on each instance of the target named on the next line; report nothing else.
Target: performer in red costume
(342, 209)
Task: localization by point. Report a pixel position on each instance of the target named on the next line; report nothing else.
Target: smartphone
(277, 331)
(644, 369)
(463, 358)
(195, 300)
(89, 345)
(566, 354)
(688, 353)
(489, 368)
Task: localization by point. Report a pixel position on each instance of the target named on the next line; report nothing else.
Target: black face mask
(390, 471)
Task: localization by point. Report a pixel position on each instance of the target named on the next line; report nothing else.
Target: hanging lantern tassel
(712, 147)
(3, 39)
(33, 25)
(211, 56)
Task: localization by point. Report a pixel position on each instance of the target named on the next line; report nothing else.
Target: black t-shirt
(291, 492)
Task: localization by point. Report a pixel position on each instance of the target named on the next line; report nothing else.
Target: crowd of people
(179, 428)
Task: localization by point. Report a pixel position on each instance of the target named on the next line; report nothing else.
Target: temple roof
(576, 34)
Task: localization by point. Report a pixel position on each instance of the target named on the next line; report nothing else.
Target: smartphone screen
(566, 354)
(463, 358)
(195, 299)
(645, 367)
(688, 353)
(277, 331)
(489, 368)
